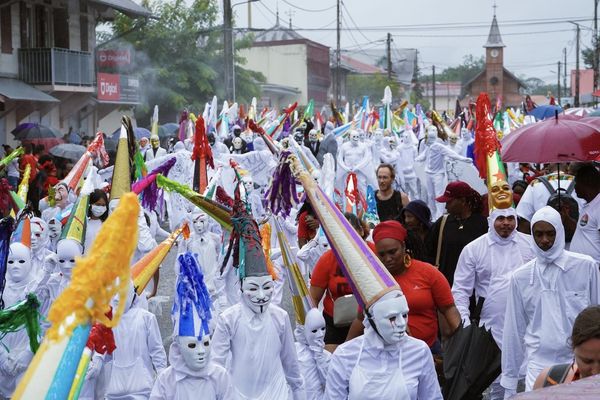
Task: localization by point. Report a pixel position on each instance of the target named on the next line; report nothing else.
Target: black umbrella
(29, 131)
(471, 360)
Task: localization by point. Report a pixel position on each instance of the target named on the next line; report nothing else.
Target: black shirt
(390, 208)
(454, 239)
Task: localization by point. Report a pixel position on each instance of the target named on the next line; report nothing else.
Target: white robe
(259, 352)
(314, 370)
(178, 382)
(139, 356)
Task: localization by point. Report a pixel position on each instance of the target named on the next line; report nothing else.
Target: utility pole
(228, 48)
(559, 83)
(565, 73)
(433, 87)
(249, 15)
(389, 56)
(576, 102)
(338, 55)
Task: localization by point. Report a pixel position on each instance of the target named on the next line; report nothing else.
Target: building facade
(48, 70)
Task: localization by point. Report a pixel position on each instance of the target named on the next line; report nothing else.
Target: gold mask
(501, 195)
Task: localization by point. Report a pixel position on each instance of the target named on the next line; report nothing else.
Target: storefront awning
(14, 89)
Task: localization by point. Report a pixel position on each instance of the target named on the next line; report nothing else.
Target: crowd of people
(386, 252)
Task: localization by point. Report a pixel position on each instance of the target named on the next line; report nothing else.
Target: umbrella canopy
(595, 113)
(29, 131)
(472, 360)
(68, 150)
(545, 111)
(168, 130)
(554, 140)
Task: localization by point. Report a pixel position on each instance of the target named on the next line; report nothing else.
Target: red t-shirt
(426, 289)
(327, 275)
(304, 232)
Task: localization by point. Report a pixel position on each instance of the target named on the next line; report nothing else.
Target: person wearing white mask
(191, 374)
(40, 241)
(545, 296)
(97, 214)
(485, 266)
(312, 356)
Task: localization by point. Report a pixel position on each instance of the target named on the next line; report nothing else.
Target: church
(496, 80)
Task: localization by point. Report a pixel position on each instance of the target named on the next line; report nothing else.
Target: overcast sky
(533, 46)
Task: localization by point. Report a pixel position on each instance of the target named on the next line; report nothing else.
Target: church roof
(494, 38)
(507, 72)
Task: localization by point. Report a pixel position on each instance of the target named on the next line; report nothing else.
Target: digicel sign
(109, 87)
(113, 58)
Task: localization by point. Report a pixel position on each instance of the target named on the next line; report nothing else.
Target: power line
(306, 9)
(352, 20)
(478, 35)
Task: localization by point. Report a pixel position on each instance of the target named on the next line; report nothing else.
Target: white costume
(408, 153)
(353, 156)
(390, 154)
(152, 153)
(313, 359)
(207, 245)
(435, 156)
(260, 162)
(586, 239)
(138, 357)
(40, 241)
(545, 296)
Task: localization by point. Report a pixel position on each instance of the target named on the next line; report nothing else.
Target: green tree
(369, 85)
(416, 94)
(179, 57)
(463, 73)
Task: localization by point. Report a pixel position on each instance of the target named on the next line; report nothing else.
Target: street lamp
(228, 41)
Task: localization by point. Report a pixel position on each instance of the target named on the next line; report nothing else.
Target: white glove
(508, 393)
(93, 371)
(50, 263)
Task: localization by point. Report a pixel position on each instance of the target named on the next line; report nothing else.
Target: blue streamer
(192, 294)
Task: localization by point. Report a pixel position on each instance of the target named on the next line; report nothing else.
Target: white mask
(18, 263)
(200, 223)
(237, 143)
(257, 292)
(314, 328)
(312, 136)
(98, 211)
(39, 234)
(323, 242)
(378, 136)
(54, 228)
(67, 251)
(354, 137)
(248, 184)
(390, 314)
(195, 352)
(114, 303)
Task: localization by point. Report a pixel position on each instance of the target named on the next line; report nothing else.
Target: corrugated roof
(278, 33)
(127, 7)
(15, 89)
(494, 38)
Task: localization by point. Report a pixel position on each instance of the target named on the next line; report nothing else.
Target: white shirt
(486, 266)
(536, 195)
(540, 336)
(417, 366)
(149, 154)
(314, 370)
(263, 360)
(177, 382)
(138, 355)
(91, 231)
(435, 156)
(586, 239)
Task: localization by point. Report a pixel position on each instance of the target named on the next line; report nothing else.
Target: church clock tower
(494, 62)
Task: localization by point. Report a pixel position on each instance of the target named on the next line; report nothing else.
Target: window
(84, 26)
(6, 30)
(61, 28)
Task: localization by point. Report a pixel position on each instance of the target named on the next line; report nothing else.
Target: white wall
(281, 65)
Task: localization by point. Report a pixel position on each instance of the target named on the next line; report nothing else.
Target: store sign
(113, 58)
(109, 87)
(118, 88)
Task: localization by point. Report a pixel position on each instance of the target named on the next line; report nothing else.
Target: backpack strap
(547, 184)
(571, 187)
(557, 374)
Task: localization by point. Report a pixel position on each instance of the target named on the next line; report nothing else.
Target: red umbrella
(553, 140)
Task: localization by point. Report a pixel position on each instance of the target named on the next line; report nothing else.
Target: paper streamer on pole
(143, 270)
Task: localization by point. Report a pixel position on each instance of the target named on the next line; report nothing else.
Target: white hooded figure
(310, 253)
(312, 356)
(408, 153)
(467, 139)
(15, 352)
(191, 373)
(207, 245)
(40, 241)
(391, 155)
(435, 156)
(139, 355)
(155, 151)
(54, 230)
(354, 157)
(545, 296)
(253, 338)
(260, 162)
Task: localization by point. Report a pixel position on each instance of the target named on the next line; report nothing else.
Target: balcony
(57, 69)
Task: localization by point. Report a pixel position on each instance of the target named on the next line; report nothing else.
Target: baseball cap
(455, 190)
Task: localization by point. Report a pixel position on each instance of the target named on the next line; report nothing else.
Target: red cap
(455, 190)
(389, 230)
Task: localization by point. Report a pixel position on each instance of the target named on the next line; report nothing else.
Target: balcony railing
(54, 66)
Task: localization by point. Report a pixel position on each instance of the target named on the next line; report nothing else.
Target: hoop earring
(407, 261)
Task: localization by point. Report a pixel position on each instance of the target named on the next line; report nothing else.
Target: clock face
(494, 53)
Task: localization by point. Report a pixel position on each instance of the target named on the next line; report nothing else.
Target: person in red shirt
(426, 289)
(28, 158)
(307, 224)
(327, 280)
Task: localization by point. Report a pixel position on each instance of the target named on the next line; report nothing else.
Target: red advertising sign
(113, 58)
(109, 87)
